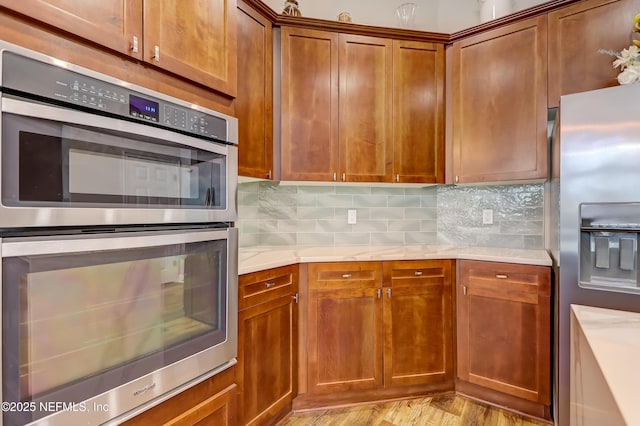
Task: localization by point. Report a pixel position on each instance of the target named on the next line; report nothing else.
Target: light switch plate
(351, 217)
(487, 217)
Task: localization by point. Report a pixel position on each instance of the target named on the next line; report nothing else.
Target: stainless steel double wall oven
(119, 255)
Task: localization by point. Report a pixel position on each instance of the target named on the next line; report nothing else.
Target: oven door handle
(102, 242)
(71, 116)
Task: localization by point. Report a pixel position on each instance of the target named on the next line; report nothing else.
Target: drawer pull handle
(346, 276)
(502, 276)
(418, 273)
(269, 285)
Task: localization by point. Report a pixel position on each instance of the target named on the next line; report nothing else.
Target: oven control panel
(60, 84)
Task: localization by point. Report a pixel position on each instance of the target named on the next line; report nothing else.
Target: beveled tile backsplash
(304, 215)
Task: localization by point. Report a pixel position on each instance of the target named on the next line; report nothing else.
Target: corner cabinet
(361, 109)
(254, 104)
(576, 33)
(204, 51)
(504, 334)
(267, 344)
(500, 104)
(382, 327)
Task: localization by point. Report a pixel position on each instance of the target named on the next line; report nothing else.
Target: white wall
(431, 15)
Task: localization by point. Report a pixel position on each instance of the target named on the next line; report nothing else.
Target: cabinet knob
(344, 177)
(345, 276)
(295, 298)
(269, 285)
(398, 178)
(156, 53)
(379, 291)
(335, 176)
(464, 290)
(389, 293)
(502, 276)
(457, 179)
(417, 273)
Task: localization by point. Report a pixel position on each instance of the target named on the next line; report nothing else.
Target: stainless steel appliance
(596, 187)
(117, 245)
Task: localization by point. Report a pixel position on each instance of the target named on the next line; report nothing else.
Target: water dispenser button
(602, 252)
(627, 254)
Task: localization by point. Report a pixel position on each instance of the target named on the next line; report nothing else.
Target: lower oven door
(95, 326)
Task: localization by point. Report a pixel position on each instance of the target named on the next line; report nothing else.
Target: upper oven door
(63, 167)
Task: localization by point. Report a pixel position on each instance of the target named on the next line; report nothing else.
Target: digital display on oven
(143, 108)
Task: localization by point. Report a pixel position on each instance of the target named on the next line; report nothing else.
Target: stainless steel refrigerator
(594, 213)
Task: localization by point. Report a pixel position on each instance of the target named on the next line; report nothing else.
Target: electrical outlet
(351, 217)
(487, 217)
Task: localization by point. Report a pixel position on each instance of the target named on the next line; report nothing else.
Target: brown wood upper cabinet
(267, 344)
(374, 325)
(309, 133)
(576, 33)
(191, 38)
(418, 109)
(254, 104)
(504, 329)
(379, 121)
(500, 104)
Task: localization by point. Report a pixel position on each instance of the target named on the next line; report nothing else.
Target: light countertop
(605, 370)
(253, 259)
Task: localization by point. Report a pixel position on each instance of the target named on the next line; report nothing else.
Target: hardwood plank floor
(446, 410)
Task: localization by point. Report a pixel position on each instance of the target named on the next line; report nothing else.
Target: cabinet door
(254, 104)
(309, 140)
(110, 23)
(576, 33)
(195, 39)
(344, 327)
(500, 104)
(366, 149)
(267, 343)
(418, 105)
(267, 358)
(418, 335)
(504, 328)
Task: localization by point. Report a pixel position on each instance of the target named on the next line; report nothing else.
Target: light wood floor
(437, 411)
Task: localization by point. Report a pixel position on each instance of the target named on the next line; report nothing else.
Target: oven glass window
(77, 325)
(51, 164)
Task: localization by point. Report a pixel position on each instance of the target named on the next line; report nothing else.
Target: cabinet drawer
(411, 273)
(342, 275)
(263, 286)
(522, 282)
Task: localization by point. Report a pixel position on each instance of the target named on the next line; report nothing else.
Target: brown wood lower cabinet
(418, 318)
(212, 402)
(267, 344)
(378, 330)
(503, 321)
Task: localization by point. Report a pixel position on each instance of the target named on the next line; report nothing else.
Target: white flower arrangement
(628, 59)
